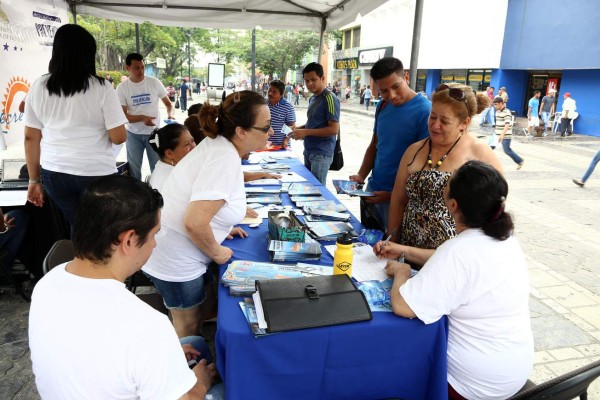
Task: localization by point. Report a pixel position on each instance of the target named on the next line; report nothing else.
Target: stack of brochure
(263, 199)
(328, 205)
(294, 251)
(241, 275)
(261, 190)
(319, 214)
(303, 189)
(350, 188)
(329, 230)
(275, 168)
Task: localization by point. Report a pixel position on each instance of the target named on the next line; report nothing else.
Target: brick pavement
(557, 223)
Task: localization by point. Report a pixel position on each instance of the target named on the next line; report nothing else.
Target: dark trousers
(565, 126)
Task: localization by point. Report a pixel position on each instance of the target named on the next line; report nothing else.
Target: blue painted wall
(551, 34)
(434, 77)
(584, 86)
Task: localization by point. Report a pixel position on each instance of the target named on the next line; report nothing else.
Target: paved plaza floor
(556, 222)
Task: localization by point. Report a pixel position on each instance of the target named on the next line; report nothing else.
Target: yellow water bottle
(342, 257)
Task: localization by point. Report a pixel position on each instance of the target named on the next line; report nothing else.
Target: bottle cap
(344, 239)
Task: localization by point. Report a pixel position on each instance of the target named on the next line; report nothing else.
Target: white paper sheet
(291, 177)
(365, 265)
(13, 198)
(260, 315)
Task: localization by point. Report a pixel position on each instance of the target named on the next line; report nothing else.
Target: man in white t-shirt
(139, 96)
(90, 337)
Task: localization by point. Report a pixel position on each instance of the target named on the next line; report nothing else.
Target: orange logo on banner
(15, 85)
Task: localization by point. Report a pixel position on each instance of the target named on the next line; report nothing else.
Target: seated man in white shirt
(90, 337)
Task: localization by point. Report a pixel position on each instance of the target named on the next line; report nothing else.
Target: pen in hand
(387, 241)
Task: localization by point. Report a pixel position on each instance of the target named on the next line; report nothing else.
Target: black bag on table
(338, 156)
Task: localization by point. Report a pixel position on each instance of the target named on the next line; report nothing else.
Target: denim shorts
(181, 295)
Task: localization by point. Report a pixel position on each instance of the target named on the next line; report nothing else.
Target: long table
(387, 357)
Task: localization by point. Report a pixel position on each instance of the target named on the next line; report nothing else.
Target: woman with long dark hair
(72, 119)
(479, 279)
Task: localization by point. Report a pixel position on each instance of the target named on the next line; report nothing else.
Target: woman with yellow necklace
(418, 219)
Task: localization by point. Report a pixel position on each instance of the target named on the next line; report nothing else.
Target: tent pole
(323, 26)
(73, 8)
(137, 38)
(414, 53)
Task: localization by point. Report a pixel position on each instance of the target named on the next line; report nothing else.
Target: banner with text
(26, 34)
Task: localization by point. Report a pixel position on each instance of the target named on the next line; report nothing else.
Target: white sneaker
(519, 166)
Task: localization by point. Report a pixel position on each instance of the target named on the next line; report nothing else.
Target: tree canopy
(276, 51)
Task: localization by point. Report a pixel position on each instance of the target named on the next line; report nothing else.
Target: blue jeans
(135, 153)
(66, 190)
(11, 240)
(546, 118)
(367, 102)
(318, 164)
(216, 392)
(183, 101)
(180, 295)
(374, 215)
(591, 167)
(487, 116)
(509, 152)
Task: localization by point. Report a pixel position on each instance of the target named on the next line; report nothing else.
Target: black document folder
(310, 302)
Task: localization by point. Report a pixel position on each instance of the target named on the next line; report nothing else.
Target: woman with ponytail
(478, 279)
(204, 199)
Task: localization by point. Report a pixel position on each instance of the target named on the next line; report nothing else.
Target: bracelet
(5, 229)
(34, 181)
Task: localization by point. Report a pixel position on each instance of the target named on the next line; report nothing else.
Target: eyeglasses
(456, 94)
(265, 129)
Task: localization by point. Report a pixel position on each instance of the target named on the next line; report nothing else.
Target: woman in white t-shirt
(72, 118)
(204, 198)
(478, 279)
(172, 142)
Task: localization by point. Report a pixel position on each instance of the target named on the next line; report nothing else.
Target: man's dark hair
(279, 86)
(313, 66)
(386, 66)
(110, 206)
(133, 56)
(537, 92)
(73, 62)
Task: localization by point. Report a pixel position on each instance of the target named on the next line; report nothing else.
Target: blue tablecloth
(386, 357)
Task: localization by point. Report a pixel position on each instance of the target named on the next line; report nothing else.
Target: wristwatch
(34, 181)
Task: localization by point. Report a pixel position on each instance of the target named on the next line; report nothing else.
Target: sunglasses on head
(455, 93)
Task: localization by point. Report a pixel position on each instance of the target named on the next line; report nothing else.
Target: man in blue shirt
(400, 120)
(533, 111)
(320, 131)
(183, 94)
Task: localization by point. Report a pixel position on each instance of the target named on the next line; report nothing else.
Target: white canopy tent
(315, 15)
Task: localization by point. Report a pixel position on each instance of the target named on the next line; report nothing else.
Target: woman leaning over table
(72, 118)
(172, 142)
(481, 283)
(418, 219)
(204, 198)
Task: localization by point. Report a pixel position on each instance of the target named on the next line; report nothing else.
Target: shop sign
(459, 78)
(475, 78)
(347, 63)
(448, 78)
(487, 78)
(371, 56)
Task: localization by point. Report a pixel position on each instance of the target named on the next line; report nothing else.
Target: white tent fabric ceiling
(233, 14)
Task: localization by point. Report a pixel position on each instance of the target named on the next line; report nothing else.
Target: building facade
(524, 45)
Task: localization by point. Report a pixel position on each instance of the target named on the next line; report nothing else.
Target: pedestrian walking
(368, 95)
(591, 167)
(504, 130)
